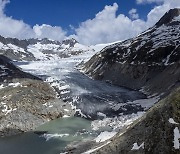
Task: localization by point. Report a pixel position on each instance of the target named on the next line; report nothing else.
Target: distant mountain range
(39, 49)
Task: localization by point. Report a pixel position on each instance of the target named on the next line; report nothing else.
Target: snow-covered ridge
(151, 43)
(11, 46)
(45, 49)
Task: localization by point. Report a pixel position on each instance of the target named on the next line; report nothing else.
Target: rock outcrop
(26, 102)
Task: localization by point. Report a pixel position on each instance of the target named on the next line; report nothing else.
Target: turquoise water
(77, 129)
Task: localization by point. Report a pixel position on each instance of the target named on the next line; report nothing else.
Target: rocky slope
(156, 132)
(36, 49)
(25, 101)
(143, 61)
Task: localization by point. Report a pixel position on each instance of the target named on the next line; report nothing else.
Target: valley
(65, 97)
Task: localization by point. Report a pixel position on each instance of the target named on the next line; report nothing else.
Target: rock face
(144, 60)
(26, 102)
(156, 132)
(8, 71)
(35, 49)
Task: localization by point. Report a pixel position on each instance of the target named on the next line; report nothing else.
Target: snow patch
(176, 138)
(64, 92)
(136, 147)
(1, 86)
(66, 110)
(13, 47)
(66, 116)
(101, 114)
(177, 18)
(7, 109)
(14, 84)
(103, 136)
(171, 120)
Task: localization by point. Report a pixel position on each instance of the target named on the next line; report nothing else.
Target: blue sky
(67, 12)
(92, 21)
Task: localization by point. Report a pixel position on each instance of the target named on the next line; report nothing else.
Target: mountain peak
(70, 41)
(169, 16)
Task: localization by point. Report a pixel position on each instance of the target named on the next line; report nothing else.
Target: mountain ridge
(168, 17)
(140, 62)
(38, 49)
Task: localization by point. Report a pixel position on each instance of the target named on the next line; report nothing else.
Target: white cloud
(10, 27)
(109, 27)
(149, 1)
(2, 6)
(47, 31)
(133, 13)
(105, 27)
(14, 28)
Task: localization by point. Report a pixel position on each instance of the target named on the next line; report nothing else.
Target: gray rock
(29, 105)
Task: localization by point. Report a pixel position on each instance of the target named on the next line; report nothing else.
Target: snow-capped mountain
(143, 61)
(36, 49)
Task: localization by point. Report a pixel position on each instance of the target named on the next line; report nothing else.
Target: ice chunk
(50, 136)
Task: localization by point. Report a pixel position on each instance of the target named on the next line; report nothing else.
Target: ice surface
(116, 123)
(146, 103)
